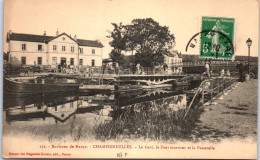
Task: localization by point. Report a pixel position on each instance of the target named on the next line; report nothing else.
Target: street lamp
(249, 43)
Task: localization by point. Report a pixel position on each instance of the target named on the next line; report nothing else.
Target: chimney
(75, 37)
(10, 32)
(57, 33)
(44, 33)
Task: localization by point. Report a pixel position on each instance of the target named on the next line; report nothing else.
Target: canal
(155, 114)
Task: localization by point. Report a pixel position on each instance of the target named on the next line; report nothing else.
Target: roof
(83, 42)
(189, 58)
(180, 55)
(169, 54)
(28, 37)
(46, 39)
(61, 35)
(107, 60)
(173, 54)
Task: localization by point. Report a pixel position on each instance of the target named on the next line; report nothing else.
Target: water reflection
(151, 114)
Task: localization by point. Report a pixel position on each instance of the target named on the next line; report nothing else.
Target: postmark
(216, 38)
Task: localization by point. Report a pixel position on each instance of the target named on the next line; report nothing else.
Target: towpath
(232, 115)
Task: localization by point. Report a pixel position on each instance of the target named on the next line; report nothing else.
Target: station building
(29, 49)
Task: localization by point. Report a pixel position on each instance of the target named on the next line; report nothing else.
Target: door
(63, 61)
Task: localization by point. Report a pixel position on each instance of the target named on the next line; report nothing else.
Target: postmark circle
(224, 50)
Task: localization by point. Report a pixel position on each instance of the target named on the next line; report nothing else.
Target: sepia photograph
(130, 79)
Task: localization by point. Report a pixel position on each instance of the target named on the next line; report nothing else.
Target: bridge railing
(197, 67)
(141, 71)
(173, 68)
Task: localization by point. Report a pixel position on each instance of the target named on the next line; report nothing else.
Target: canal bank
(231, 115)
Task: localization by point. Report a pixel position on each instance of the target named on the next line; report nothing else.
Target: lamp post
(249, 43)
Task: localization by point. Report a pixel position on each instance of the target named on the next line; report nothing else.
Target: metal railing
(210, 88)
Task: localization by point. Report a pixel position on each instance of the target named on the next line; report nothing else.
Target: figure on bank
(241, 68)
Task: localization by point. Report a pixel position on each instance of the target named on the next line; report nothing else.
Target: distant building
(173, 60)
(108, 62)
(245, 58)
(192, 58)
(29, 49)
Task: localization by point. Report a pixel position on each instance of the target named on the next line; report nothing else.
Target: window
(54, 60)
(40, 60)
(72, 49)
(80, 61)
(81, 50)
(54, 47)
(63, 48)
(40, 47)
(23, 47)
(93, 62)
(93, 51)
(71, 61)
(23, 59)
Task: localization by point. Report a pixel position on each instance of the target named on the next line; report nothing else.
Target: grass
(154, 121)
(51, 136)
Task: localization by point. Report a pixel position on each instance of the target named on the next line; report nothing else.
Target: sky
(89, 19)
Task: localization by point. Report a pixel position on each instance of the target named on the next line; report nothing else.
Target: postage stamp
(217, 37)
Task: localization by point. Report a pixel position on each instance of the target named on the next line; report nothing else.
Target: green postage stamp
(217, 37)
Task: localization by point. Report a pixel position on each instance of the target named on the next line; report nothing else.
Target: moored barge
(43, 84)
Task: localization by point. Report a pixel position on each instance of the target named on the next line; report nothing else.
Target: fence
(209, 89)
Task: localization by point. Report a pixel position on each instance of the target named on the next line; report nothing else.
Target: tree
(118, 41)
(146, 38)
(117, 57)
(152, 41)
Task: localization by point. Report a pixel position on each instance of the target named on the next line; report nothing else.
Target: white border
(1, 66)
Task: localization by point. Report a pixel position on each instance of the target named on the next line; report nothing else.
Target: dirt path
(232, 115)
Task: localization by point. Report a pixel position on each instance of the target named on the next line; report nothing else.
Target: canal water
(145, 114)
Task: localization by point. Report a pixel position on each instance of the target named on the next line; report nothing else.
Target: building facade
(173, 60)
(28, 49)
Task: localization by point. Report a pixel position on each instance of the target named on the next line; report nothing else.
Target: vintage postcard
(130, 79)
